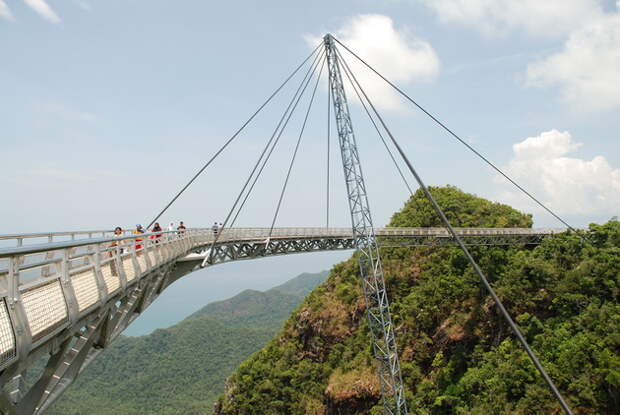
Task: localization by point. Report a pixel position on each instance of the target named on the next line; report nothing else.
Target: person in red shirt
(156, 228)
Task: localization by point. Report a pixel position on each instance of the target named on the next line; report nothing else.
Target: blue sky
(106, 108)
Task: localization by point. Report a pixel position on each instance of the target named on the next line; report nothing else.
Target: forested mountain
(181, 370)
(457, 355)
(267, 309)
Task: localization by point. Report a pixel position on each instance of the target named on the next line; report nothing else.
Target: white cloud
(549, 18)
(41, 7)
(5, 12)
(588, 68)
(565, 184)
(395, 54)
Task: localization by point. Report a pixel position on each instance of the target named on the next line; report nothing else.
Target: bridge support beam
(60, 371)
(371, 272)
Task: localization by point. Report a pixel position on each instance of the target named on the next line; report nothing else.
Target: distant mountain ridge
(302, 284)
(182, 369)
(267, 309)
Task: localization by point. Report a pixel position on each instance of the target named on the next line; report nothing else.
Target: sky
(108, 108)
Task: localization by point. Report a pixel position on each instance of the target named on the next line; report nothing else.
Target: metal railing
(19, 240)
(46, 287)
(29, 255)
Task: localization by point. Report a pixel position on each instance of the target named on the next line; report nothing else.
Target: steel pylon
(371, 271)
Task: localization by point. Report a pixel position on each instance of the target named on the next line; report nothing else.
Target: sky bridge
(66, 296)
(71, 298)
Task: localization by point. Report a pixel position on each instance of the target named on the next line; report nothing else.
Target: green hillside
(182, 369)
(457, 354)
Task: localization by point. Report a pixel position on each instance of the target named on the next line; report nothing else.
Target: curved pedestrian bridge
(69, 294)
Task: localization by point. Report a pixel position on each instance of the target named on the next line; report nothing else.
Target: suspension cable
(372, 120)
(470, 258)
(277, 131)
(301, 133)
(295, 100)
(453, 134)
(232, 138)
(305, 83)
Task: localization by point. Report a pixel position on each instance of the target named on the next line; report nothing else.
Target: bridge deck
(95, 285)
(19, 240)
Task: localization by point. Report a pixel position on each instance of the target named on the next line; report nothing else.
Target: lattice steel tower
(371, 272)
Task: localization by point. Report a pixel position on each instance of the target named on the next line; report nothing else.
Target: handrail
(53, 246)
(44, 234)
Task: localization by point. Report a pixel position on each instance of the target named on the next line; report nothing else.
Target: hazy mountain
(182, 369)
(266, 309)
(302, 284)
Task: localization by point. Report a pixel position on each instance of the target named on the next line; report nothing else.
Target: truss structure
(69, 351)
(365, 240)
(227, 251)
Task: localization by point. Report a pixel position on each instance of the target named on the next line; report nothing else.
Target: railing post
(134, 258)
(191, 238)
(174, 246)
(67, 288)
(145, 253)
(13, 280)
(101, 287)
(45, 271)
(17, 313)
(157, 248)
(164, 248)
(119, 266)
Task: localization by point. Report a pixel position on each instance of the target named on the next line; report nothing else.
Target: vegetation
(457, 355)
(181, 369)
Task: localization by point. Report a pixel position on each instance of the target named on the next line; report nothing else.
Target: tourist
(181, 228)
(118, 233)
(139, 229)
(156, 228)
